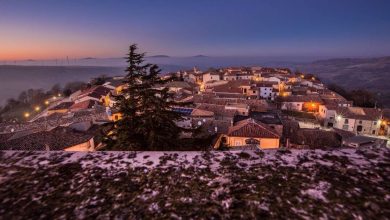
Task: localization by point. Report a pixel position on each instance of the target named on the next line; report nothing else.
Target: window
(373, 131)
(254, 91)
(360, 122)
(346, 121)
(374, 123)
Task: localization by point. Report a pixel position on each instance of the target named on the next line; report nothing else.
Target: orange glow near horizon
(25, 43)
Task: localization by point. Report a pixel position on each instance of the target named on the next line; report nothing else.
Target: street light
(37, 108)
(46, 102)
(26, 115)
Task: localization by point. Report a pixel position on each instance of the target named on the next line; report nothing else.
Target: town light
(313, 78)
(379, 122)
(46, 102)
(59, 94)
(37, 108)
(54, 97)
(338, 118)
(26, 115)
(313, 105)
(302, 76)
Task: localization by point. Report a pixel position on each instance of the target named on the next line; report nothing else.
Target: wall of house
(293, 106)
(265, 143)
(328, 116)
(368, 127)
(87, 146)
(266, 92)
(210, 77)
(348, 126)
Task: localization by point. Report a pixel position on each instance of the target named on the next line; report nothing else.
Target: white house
(358, 120)
(211, 76)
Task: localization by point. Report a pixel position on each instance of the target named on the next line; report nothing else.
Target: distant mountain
(88, 58)
(199, 56)
(159, 56)
(353, 73)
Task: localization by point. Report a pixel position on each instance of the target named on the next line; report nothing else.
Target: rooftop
(251, 128)
(284, 184)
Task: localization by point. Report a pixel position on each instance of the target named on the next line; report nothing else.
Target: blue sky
(43, 29)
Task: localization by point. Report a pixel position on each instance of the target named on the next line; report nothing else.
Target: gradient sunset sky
(50, 29)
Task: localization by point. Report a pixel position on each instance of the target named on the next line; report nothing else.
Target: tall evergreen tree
(148, 122)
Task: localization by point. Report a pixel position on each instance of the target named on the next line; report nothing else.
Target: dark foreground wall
(345, 184)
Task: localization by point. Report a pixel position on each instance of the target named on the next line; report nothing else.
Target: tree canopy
(148, 121)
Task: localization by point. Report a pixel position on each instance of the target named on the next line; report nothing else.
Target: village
(239, 107)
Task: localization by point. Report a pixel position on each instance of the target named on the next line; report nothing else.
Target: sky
(51, 29)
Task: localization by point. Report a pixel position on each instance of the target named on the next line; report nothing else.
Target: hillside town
(238, 107)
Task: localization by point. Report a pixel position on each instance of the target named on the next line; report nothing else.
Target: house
(87, 104)
(176, 86)
(385, 125)
(62, 107)
(220, 112)
(201, 117)
(272, 119)
(211, 76)
(227, 89)
(327, 110)
(59, 138)
(251, 132)
(186, 121)
(358, 120)
(308, 103)
(241, 108)
(268, 90)
(115, 83)
(96, 93)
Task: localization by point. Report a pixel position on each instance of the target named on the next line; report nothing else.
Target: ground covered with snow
(296, 184)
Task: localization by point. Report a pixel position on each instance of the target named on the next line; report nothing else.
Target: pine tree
(148, 122)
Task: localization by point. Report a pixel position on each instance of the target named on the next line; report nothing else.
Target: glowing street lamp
(59, 94)
(37, 108)
(338, 117)
(46, 102)
(26, 115)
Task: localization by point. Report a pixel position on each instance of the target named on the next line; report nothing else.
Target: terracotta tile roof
(359, 113)
(83, 105)
(56, 139)
(202, 113)
(95, 92)
(227, 88)
(63, 105)
(302, 98)
(251, 128)
(266, 84)
(218, 110)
